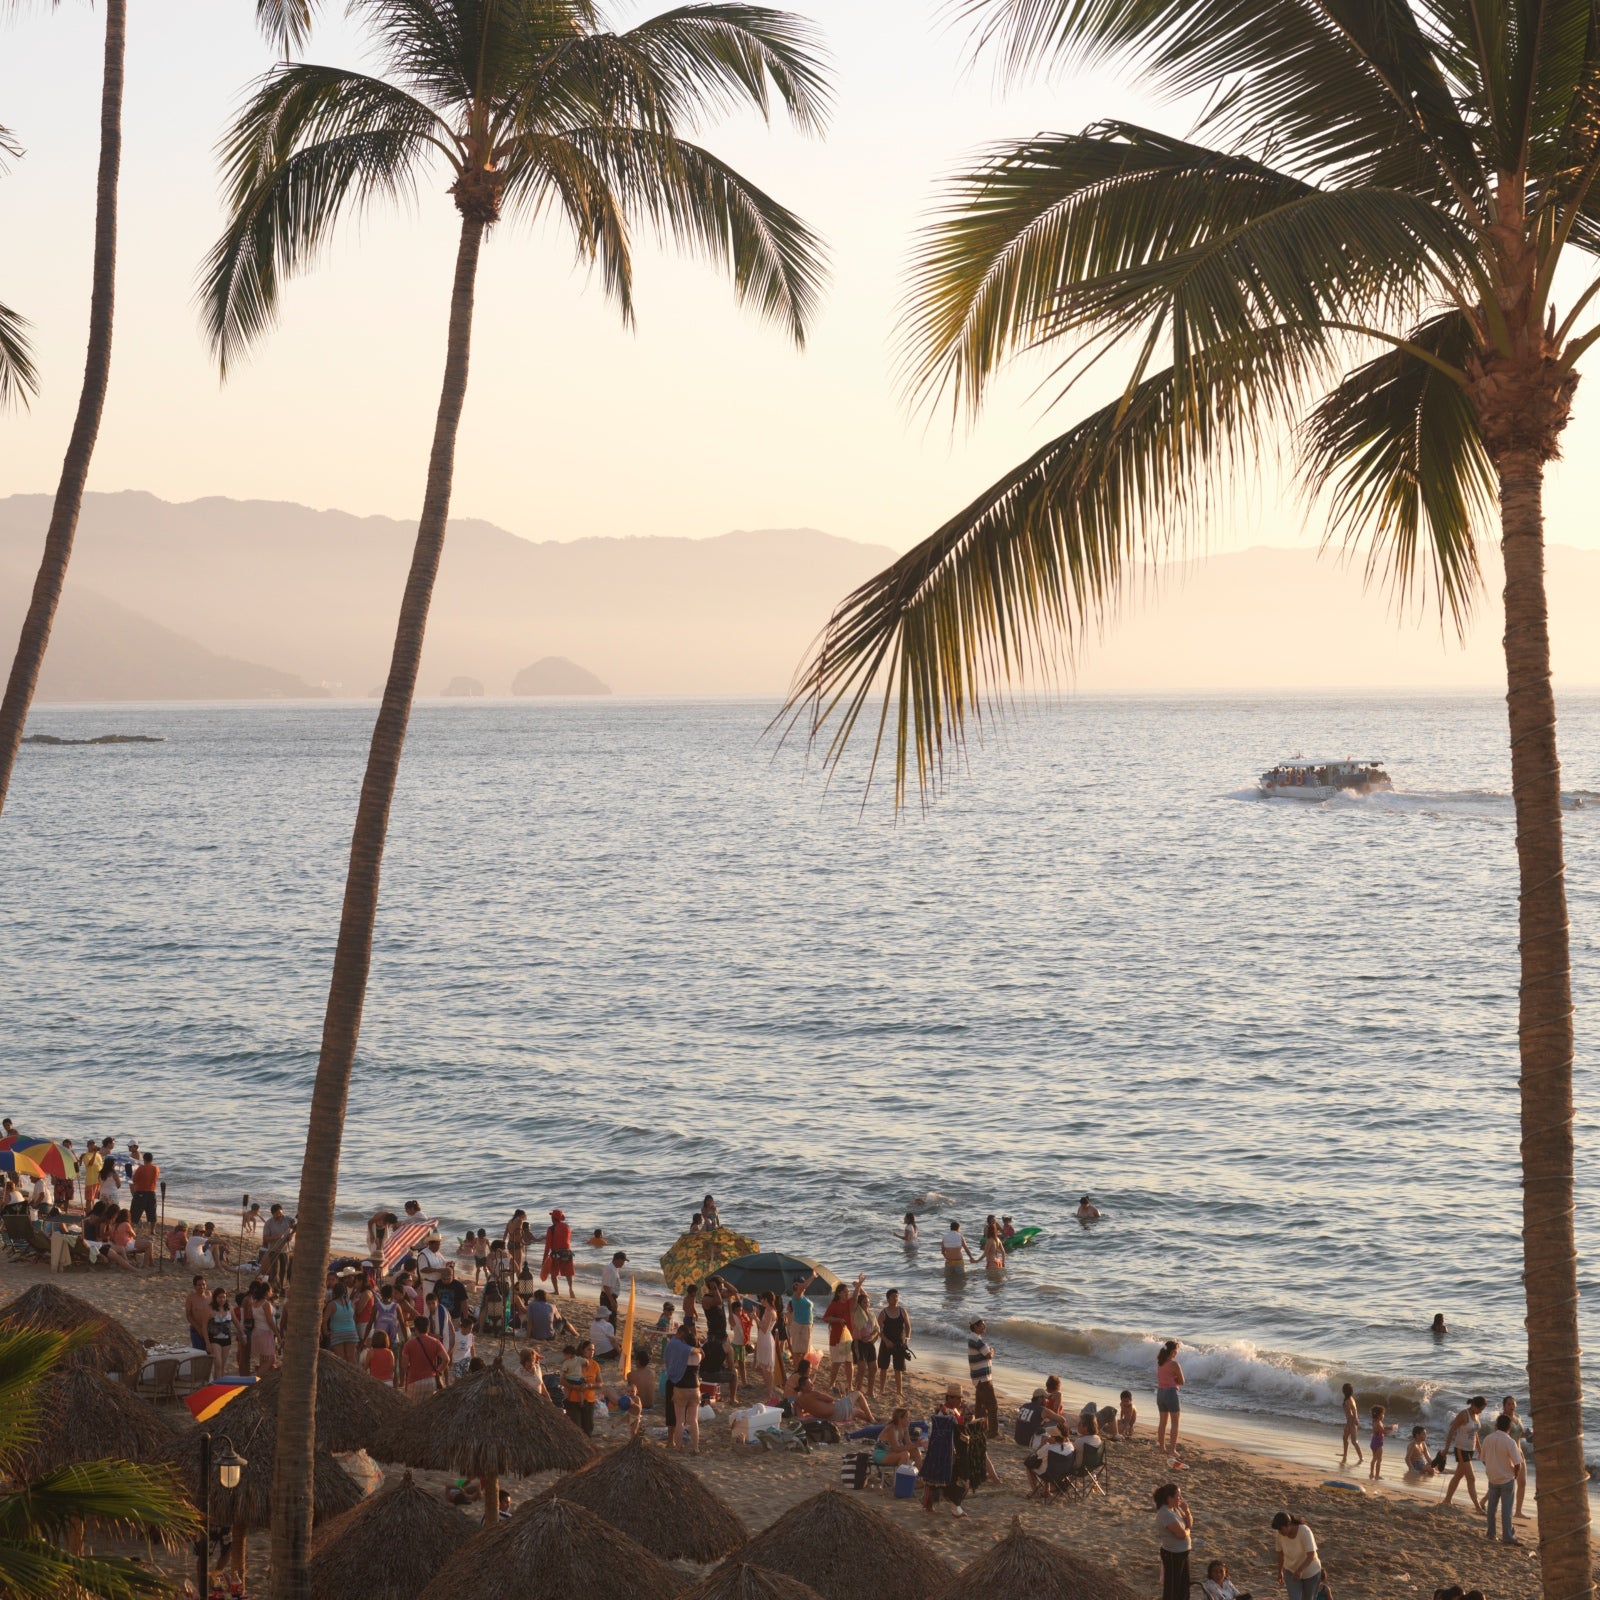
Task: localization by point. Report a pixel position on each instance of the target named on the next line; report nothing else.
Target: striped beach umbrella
(52, 1159)
(15, 1161)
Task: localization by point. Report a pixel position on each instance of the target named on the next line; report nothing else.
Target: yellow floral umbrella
(696, 1255)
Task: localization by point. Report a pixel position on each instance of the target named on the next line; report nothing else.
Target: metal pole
(205, 1515)
(159, 1244)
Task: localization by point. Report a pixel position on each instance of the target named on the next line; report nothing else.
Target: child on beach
(1350, 1439)
(480, 1257)
(249, 1219)
(1419, 1459)
(1380, 1430)
(1052, 1396)
(1127, 1416)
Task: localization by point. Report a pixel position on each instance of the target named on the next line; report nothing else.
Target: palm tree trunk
(297, 1394)
(1550, 1257)
(52, 577)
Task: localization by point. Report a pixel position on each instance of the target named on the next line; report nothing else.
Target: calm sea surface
(626, 956)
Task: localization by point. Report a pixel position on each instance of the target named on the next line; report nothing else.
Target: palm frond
(1396, 446)
(777, 264)
(287, 23)
(9, 146)
(1337, 90)
(1011, 583)
(19, 379)
(311, 143)
(27, 1356)
(34, 1569)
(114, 1495)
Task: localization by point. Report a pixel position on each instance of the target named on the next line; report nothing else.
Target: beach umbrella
(739, 1580)
(1031, 1568)
(772, 1269)
(655, 1499)
(487, 1426)
(85, 1416)
(50, 1158)
(12, 1140)
(848, 1551)
(697, 1255)
(13, 1160)
(112, 1349)
(553, 1550)
(353, 1410)
(388, 1548)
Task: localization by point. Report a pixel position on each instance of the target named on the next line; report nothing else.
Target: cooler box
(905, 1482)
(746, 1424)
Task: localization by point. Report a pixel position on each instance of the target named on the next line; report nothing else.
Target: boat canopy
(1298, 764)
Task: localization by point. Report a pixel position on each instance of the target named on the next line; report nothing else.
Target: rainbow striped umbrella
(206, 1402)
(15, 1161)
(52, 1159)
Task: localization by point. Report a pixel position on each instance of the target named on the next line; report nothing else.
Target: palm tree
(285, 21)
(43, 1515)
(1361, 239)
(17, 377)
(528, 106)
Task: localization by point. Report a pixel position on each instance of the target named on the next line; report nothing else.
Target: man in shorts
(894, 1339)
(802, 1317)
(146, 1179)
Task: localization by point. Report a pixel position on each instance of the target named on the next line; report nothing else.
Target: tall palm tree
(1361, 241)
(18, 379)
(527, 106)
(43, 1515)
(284, 21)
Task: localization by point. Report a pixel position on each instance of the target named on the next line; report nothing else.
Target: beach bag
(820, 1431)
(853, 1469)
(1027, 1422)
(1439, 1461)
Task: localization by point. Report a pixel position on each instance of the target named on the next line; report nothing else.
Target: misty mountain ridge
(222, 599)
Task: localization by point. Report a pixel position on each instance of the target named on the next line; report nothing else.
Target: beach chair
(19, 1234)
(1094, 1478)
(158, 1382)
(192, 1374)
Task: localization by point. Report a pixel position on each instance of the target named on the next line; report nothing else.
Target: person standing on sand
(894, 1344)
(557, 1263)
(980, 1368)
(802, 1315)
(518, 1235)
(1299, 1569)
(1175, 1527)
(1169, 1381)
(1519, 1432)
(219, 1332)
(1463, 1439)
(1351, 1438)
(1507, 1470)
(197, 1313)
(955, 1249)
(839, 1314)
(146, 1178)
(611, 1282)
(767, 1372)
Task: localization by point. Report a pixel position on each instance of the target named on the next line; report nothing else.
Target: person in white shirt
(1505, 1466)
(198, 1252)
(465, 1339)
(430, 1262)
(611, 1283)
(1463, 1439)
(955, 1249)
(1216, 1585)
(1299, 1569)
(604, 1338)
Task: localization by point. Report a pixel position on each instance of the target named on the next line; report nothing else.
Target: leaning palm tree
(527, 106)
(18, 379)
(44, 1515)
(284, 21)
(1359, 245)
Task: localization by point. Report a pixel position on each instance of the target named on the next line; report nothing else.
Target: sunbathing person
(810, 1401)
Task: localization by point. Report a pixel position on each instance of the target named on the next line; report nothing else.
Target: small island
(103, 738)
(556, 675)
(463, 688)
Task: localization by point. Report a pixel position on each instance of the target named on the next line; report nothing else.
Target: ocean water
(628, 953)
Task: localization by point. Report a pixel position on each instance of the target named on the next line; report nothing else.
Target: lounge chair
(19, 1234)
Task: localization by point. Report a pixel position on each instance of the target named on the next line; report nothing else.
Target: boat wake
(1462, 802)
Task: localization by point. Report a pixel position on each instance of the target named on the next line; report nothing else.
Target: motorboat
(1300, 779)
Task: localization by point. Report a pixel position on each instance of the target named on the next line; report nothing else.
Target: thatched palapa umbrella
(739, 1580)
(1022, 1566)
(847, 1551)
(253, 1432)
(553, 1550)
(653, 1498)
(388, 1548)
(487, 1426)
(353, 1410)
(86, 1416)
(112, 1349)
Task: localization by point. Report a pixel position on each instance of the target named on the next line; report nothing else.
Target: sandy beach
(1389, 1542)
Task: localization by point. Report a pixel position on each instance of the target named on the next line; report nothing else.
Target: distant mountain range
(228, 599)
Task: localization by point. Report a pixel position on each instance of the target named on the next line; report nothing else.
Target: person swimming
(1088, 1211)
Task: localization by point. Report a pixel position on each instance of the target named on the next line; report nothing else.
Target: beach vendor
(557, 1263)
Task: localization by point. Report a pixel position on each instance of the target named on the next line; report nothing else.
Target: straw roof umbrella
(1022, 1566)
(847, 1551)
(553, 1550)
(487, 1426)
(738, 1580)
(113, 1348)
(353, 1410)
(252, 1429)
(388, 1548)
(86, 1416)
(654, 1498)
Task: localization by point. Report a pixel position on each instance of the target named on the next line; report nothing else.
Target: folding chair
(1094, 1477)
(19, 1234)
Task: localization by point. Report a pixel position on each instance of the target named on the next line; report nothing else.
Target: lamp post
(228, 1464)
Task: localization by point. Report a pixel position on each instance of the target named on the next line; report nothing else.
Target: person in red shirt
(557, 1263)
(424, 1363)
(146, 1179)
(839, 1311)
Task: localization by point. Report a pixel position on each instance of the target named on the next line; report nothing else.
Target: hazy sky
(702, 420)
